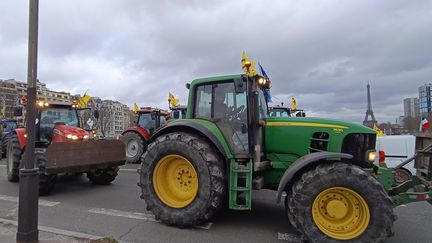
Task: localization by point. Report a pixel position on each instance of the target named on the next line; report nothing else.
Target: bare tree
(104, 120)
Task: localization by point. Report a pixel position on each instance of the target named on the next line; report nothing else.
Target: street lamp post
(29, 180)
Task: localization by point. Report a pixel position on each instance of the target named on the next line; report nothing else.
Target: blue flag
(266, 92)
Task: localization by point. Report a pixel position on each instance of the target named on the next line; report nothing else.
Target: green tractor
(228, 145)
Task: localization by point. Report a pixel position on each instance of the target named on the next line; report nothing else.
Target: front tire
(339, 201)
(103, 176)
(135, 146)
(46, 181)
(14, 154)
(183, 180)
(4, 145)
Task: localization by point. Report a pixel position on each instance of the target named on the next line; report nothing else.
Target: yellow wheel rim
(340, 213)
(175, 181)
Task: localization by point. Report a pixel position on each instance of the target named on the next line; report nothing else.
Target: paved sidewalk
(8, 229)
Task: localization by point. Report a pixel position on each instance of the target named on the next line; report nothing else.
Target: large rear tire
(135, 146)
(14, 154)
(339, 201)
(183, 179)
(103, 176)
(46, 181)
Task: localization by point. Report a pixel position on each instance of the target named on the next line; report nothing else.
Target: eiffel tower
(369, 112)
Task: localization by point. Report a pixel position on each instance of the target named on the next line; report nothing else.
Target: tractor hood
(317, 123)
(298, 136)
(71, 130)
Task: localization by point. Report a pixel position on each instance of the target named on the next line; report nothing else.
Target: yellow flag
(293, 103)
(173, 101)
(84, 100)
(248, 66)
(135, 108)
(378, 131)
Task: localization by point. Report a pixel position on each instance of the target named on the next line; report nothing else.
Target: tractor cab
(178, 112)
(7, 126)
(151, 118)
(58, 123)
(281, 111)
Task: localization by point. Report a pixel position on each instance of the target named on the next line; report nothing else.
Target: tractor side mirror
(96, 114)
(188, 86)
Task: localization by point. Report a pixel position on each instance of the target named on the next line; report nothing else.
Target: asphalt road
(116, 210)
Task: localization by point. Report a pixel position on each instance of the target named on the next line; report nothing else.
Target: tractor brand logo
(336, 128)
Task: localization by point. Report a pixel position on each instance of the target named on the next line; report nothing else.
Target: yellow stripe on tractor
(303, 124)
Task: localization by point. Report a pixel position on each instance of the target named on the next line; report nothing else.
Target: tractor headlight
(261, 81)
(69, 136)
(85, 136)
(371, 155)
(74, 137)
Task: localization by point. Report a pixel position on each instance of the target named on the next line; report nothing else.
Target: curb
(59, 231)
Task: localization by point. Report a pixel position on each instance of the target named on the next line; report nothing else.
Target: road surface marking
(2, 165)
(135, 215)
(41, 202)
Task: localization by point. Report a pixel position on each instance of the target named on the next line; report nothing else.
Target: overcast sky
(322, 52)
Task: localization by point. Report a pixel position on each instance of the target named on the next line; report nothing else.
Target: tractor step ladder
(240, 184)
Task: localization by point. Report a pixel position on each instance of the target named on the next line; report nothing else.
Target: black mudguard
(303, 162)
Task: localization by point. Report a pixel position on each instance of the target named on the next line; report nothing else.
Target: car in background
(394, 149)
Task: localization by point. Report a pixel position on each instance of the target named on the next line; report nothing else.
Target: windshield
(50, 117)
(279, 113)
(11, 126)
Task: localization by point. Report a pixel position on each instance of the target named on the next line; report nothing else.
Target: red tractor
(135, 138)
(63, 147)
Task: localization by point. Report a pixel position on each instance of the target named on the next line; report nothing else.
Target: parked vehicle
(228, 146)
(63, 147)
(136, 137)
(6, 130)
(393, 150)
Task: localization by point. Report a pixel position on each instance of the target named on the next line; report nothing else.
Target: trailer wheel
(183, 179)
(14, 154)
(135, 146)
(46, 181)
(103, 176)
(339, 201)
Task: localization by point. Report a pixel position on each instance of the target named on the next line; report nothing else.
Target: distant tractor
(281, 111)
(178, 112)
(135, 138)
(6, 128)
(228, 145)
(63, 147)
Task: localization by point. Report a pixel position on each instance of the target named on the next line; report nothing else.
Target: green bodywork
(286, 140)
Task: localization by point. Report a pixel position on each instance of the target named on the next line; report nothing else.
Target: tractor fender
(192, 127)
(303, 162)
(141, 131)
(21, 132)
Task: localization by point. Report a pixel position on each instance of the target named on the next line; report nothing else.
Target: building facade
(8, 98)
(411, 107)
(114, 118)
(425, 101)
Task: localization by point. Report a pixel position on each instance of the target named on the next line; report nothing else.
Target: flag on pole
(424, 125)
(135, 108)
(84, 100)
(248, 66)
(173, 101)
(266, 92)
(378, 130)
(293, 103)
